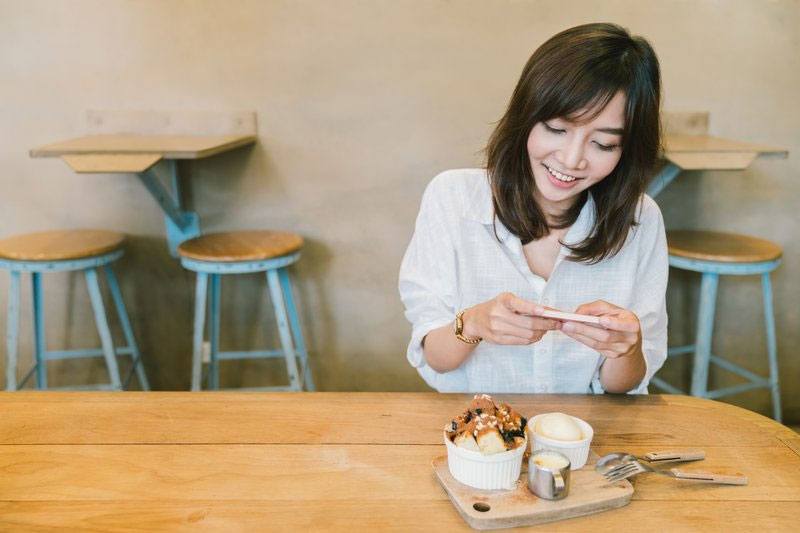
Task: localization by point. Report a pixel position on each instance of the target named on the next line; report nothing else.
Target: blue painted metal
(12, 332)
(665, 176)
(660, 383)
(132, 348)
(242, 267)
(711, 270)
(253, 354)
(40, 345)
(55, 355)
(772, 347)
(283, 328)
(294, 320)
(180, 224)
(214, 320)
(200, 301)
(292, 342)
(61, 266)
(24, 380)
(729, 269)
(705, 331)
(102, 327)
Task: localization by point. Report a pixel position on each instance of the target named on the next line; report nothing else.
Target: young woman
(558, 219)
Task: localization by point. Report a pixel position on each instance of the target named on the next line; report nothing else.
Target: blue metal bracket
(181, 225)
(664, 177)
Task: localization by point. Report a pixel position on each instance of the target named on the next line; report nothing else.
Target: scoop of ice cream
(558, 426)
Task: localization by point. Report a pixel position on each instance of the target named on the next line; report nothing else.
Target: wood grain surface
(240, 245)
(168, 146)
(719, 246)
(60, 245)
(110, 163)
(350, 461)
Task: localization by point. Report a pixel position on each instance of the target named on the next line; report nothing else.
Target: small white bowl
(577, 451)
(488, 472)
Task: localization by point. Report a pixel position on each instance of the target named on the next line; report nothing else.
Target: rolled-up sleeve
(650, 306)
(427, 274)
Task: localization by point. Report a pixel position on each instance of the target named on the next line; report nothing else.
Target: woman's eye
(607, 147)
(551, 129)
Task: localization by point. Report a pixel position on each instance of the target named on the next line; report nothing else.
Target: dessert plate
(491, 509)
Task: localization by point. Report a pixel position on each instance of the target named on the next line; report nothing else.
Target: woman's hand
(619, 336)
(507, 319)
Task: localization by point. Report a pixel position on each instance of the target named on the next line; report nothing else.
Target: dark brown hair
(578, 70)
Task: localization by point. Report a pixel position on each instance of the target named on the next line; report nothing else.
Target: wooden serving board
(492, 509)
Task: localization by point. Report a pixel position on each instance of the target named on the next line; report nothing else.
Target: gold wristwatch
(459, 330)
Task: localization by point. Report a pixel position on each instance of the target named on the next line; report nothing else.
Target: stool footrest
(754, 381)
(282, 388)
(96, 386)
(91, 352)
(681, 350)
(660, 383)
(736, 389)
(736, 369)
(255, 354)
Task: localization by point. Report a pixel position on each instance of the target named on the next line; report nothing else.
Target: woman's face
(569, 157)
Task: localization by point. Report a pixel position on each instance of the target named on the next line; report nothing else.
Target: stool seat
(60, 245)
(722, 247)
(236, 246)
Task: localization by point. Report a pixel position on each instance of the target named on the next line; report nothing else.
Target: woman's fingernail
(568, 326)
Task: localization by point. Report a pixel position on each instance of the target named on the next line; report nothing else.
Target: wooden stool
(714, 254)
(240, 252)
(66, 251)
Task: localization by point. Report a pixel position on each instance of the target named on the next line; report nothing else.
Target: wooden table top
(705, 152)
(136, 153)
(351, 461)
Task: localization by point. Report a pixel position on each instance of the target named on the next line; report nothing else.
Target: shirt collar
(481, 209)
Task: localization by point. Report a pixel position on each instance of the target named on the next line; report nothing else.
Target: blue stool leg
(102, 327)
(297, 333)
(122, 313)
(705, 329)
(12, 332)
(38, 331)
(283, 328)
(200, 296)
(214, 333)
(772, 350)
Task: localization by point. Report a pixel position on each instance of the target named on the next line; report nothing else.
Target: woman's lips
(557, 182)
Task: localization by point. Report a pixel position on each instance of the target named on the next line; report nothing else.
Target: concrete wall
(359, 105)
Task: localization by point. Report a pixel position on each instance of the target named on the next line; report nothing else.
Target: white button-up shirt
(455, 261)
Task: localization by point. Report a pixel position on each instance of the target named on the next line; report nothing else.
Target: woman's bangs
(580, 102)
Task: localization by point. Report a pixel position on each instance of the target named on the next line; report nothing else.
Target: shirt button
(546, 301)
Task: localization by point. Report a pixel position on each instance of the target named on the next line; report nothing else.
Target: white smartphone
(572, 317)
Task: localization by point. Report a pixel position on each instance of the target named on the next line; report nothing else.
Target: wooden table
(350, 461)
(149, 155)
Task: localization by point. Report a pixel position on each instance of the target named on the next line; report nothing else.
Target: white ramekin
(489, 472)
(576, 451)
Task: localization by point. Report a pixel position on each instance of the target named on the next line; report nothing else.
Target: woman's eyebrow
(613, 131)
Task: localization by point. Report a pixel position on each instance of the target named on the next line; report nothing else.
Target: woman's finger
(629, 324)
(523, 307)
(596, 308)
(598, 334)
(587, 341)
(504, 328)
(532, 322)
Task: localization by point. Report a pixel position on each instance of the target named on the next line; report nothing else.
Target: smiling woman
(557, 219)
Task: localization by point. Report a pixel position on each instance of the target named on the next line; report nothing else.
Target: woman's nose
(572, 155)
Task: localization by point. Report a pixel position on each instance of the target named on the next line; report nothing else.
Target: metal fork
(634, 468)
